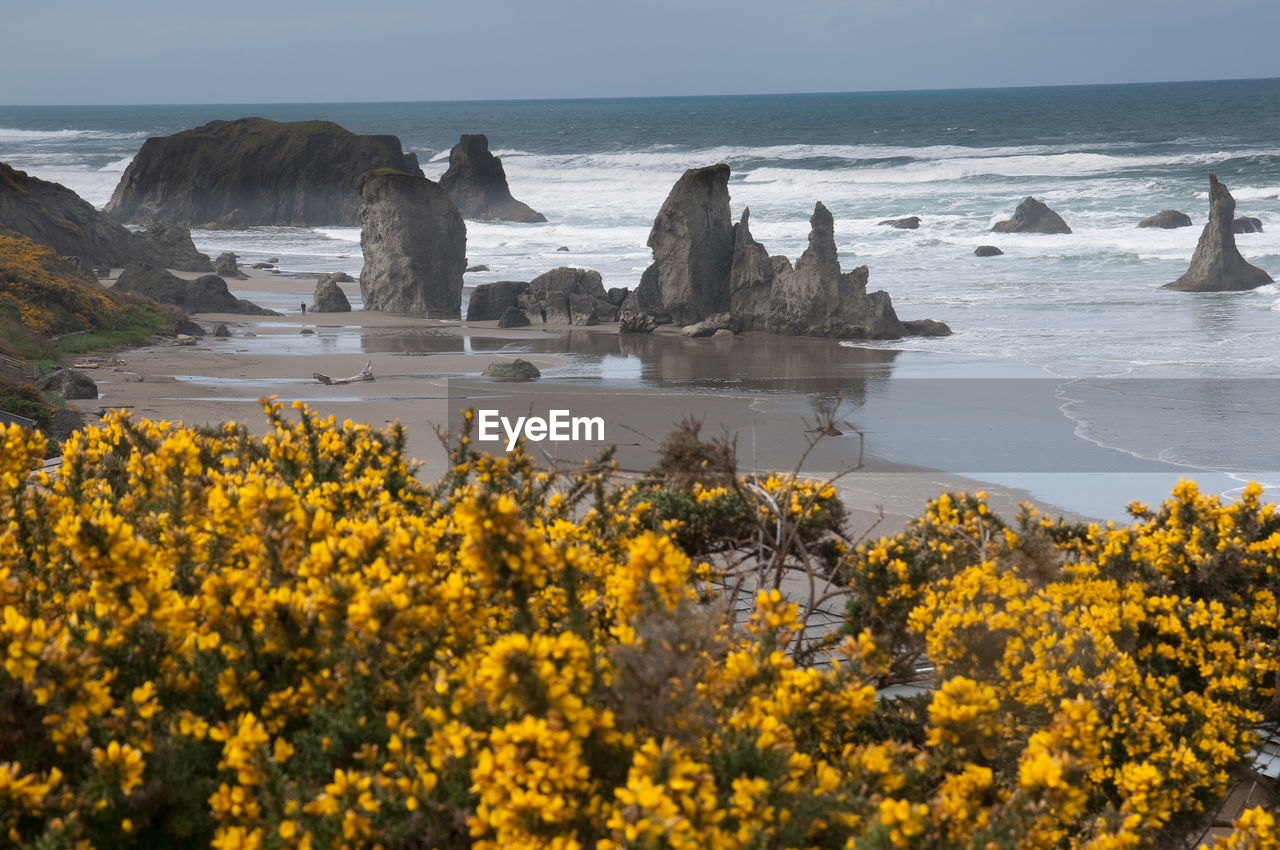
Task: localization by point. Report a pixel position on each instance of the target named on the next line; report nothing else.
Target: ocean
(1175, 381)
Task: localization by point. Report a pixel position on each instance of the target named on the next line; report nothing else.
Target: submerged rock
(1167, 220)
(329, 297)
(517, 370)
(477, 184)
(253, 171)
(415, 246)
(1216, 265)
(206, 294)
(1032, 216)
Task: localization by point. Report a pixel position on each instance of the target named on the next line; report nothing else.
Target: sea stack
(1216, 265)
(253, 171)
(329, 297)
(477, 184)
(1032, 216)
(692, 242)
(414, 243)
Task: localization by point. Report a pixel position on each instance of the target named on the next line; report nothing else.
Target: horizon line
(647, 96)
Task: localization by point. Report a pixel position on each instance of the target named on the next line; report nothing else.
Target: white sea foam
(11, 135)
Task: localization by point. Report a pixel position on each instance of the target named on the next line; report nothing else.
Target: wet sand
(771, 392)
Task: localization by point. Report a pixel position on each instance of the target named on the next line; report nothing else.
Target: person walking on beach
(304, 308)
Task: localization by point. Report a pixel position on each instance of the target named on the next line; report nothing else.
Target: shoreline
(424, 369)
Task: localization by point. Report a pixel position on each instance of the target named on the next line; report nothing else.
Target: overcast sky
(265, 51)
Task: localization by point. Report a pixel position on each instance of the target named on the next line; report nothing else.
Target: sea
(1155, 384)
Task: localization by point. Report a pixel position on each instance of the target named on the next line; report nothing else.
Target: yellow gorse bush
(211, 639)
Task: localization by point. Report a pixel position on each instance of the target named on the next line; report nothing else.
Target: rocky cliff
(253, 171)
(477, 184)
(415, 246)
(1216, 265)
(54, 216)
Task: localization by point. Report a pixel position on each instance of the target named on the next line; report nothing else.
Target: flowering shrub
(211, 639)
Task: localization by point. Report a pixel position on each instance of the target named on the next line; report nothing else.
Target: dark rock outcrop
(926, 327)
(1032, 216)
(987, 251)
(186, 327)
(329, 297)
(513, 317)
(1216, 265)
(206, 294)
(226, 266)
(56, 217)
(415, 246)
(567, 296)
(817, 299)
(1246, 224)
(692, 242)
(908, 223)
(68, 383)
(222, 331)
(1167, 220)
(477, 184)
(709, 326)
(253, 171)
(632, 322)
(490, 300)
(516, 370)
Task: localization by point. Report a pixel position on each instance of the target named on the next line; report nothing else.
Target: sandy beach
(427, 371)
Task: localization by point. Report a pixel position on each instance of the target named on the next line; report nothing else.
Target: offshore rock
(692, 242)
(1167, 220)
(477, 184)
(1246, 224)
(1216, 265)
(490, 300)
(908, 223)
(817, 299)
(56, 217)
(567, 296)
(207, 294)
(1032, 216)
(253, 171)
(414, 243)
(987, 251)
(752, 273)
(226, 266)
(329, 297)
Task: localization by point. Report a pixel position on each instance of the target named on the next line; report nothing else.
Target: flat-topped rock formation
(253, 171)
(52, 215)
(1246, 224)
(1216, 265)
(414, 243)
(1032, 216)
(477, 184)
(705, 266)
(1167, 220)
(206, 294)
(911, 222)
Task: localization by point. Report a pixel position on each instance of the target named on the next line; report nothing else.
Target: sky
(284, 51)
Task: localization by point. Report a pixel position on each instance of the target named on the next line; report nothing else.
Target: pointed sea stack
(477, 184)
(692, 242)
(1032, 216)
(415, 246)
(1216, 265)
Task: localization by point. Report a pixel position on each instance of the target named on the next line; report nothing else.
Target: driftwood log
(365, 374)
